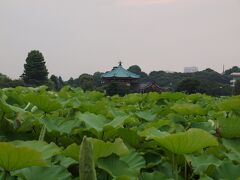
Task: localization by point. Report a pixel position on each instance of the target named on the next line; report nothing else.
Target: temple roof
(120, 72)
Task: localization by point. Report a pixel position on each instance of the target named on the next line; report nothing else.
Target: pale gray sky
(84, 36)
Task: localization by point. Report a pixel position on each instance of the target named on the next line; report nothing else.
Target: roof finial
(120, 63)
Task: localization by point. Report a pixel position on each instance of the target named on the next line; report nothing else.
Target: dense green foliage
(7, 82)
(232, 70)
(191, 86)
(173, 79)
(138, 136)
(35, 70)
(209, 81)
(57, 83)
(117, 88)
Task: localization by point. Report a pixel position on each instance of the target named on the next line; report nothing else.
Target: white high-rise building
(192, 69)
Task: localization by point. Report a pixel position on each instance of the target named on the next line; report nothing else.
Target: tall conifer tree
(35, 70)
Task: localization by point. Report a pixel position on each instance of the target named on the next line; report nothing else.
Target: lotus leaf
(201, 163)
(100, 149)
(14, 158)
(116, 167)
(187, 142)
(228, 171)
(94, 121)
(230, 127)
(47, 150)
(46, 173)
(43, 102)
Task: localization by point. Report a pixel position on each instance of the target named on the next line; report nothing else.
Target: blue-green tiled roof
(120, 72)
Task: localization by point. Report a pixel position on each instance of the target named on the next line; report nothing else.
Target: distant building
(190, 69)
(235, 76)
(148, 87)
(119, 74)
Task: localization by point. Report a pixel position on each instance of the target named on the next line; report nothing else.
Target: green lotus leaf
(65, 161)
(43, 102)
(134, 160)
(152, 133)
(146, 115)
(14, 158)
(188, 109)
(15, 98)
(230, 127)
(117, 122)
(152, 97)
(100, 149)
(125, 167)
(72, 151)
(152, 176)
(233, 146)
(205, 177)
(104, 149)
(116, 167)
(157, 124)
(201, 163)
(26, 120)
(124, 178)
(96, 122)
(170, 96)
(208, 126)
(129, 136)
(95, 95)
(46, 173)
(95, 107)
(230, 104)
(132, 121)
(47, 150)
(199, 97)
(132, 99)
(7, 108)
(59, 124)
(228, 171)
(187, 142)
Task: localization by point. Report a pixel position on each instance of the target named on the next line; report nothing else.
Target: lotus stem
(175, 167)
(42, 133)
(5, 175)
(185, 169)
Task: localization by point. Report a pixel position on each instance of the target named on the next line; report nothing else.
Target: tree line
(207, 81)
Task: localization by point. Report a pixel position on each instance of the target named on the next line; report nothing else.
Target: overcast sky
(85, 36)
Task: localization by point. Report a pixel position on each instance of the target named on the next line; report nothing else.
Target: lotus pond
(140, 136)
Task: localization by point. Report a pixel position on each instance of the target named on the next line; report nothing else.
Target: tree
(232, 70)
(58, 82)
(6, 82)
(189, 86)
(207, 87)
(35, 70)
(86, 82)
(135, 69)
(70, 82)
(97, 79)
(117, 88)
(164, 79)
